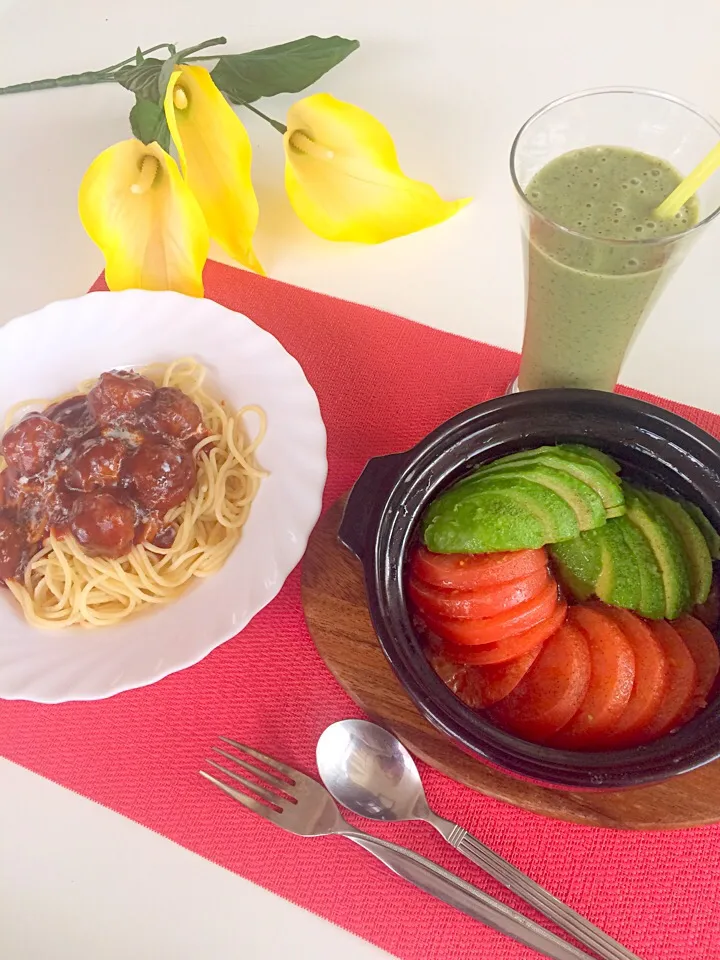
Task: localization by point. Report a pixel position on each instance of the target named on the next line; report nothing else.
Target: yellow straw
(690, 185)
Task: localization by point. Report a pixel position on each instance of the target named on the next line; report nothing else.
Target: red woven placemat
(383, 382)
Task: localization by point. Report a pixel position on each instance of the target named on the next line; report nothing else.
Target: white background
(453, 81)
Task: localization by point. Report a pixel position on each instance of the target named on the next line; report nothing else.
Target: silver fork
(302, 806)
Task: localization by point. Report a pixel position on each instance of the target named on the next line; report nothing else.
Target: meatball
(173, 414)
(34, 510)
(96, 463)
(102, 526)
(7, 487)
(161, 476)
(12, 549)
(117, 395)
(74, 414)
(31, 444)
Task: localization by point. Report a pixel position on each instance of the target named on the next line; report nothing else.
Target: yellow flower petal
(215, 156)
(343, 177)
(137, 208)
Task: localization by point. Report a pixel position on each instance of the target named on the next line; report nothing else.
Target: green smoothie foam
(587, 292)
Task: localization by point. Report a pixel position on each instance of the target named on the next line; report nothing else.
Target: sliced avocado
(666, 546)
(485, 523)
(584, 501)
(712, 538)
(652, 591)
(578, 563)
(697, 554)
(616, 512)
(592, 453)
(506, 513)
(619, 582)
(604, 483)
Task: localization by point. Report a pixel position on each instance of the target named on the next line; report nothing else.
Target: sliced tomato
(704, 651)
(651, 672)
(512, 647)
(682, 680)
(453, 675)
(480, 603)
(553, 689)
(484, 686)
(468, 571)
(612, 673)
(508, 624)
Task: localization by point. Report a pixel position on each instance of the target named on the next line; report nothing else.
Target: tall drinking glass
(595, 261)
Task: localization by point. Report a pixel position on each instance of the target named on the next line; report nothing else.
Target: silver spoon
(370, 772)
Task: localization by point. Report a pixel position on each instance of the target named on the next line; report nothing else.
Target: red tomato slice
(651, 672)
(511, 623)
(553, 689)
(612, 673)
(512, 647)
(480, 603)
(704, 651)
(682, 680)
(453, 675)
(467, 571)
(480, 687)
(485, 686)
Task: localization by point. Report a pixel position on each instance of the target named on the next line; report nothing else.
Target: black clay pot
(655, 447)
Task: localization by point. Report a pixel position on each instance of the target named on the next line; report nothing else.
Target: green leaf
(148, 123)
(142, 80)
(286, 68)
(139, 57)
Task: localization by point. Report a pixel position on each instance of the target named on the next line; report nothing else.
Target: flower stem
(280, 127)
(50, 83)
(86, 78)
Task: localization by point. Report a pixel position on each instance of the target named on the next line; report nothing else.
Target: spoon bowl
(370, 772)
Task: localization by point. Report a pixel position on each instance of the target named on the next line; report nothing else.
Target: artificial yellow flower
(215, 157)
(343, 177)
(137, 208)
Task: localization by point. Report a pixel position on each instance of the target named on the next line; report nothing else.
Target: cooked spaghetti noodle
(63, 586)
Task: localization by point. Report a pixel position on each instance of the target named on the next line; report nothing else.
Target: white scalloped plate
(46, 353)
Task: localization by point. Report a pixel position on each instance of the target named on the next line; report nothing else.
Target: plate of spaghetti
(162, 463)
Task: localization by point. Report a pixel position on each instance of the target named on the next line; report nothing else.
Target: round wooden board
(339, 622)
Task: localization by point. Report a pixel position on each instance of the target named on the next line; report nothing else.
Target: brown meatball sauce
(105, 467)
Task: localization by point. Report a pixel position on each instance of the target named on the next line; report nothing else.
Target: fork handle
(456, 892)
(531, 892)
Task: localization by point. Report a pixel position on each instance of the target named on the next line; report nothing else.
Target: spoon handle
(540, 898)
(456, 892)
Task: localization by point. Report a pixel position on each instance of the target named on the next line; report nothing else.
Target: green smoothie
(590, 286)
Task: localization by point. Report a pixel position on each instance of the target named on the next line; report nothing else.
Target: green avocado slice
(712, 537)
(508, 513)
(591, 453)
(578, 563)
(666, 546)
(619, 582)
(697, 554)
(584, 501)
(652, 591)
(590, 472)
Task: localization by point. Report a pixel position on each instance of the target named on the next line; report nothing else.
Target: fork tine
(250, 802)
(263, 774)
(282, 767)
(253, 787)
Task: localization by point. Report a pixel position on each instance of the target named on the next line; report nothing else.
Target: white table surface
(452, 81)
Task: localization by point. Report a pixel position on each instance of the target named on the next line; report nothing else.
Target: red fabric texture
(383, 382)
